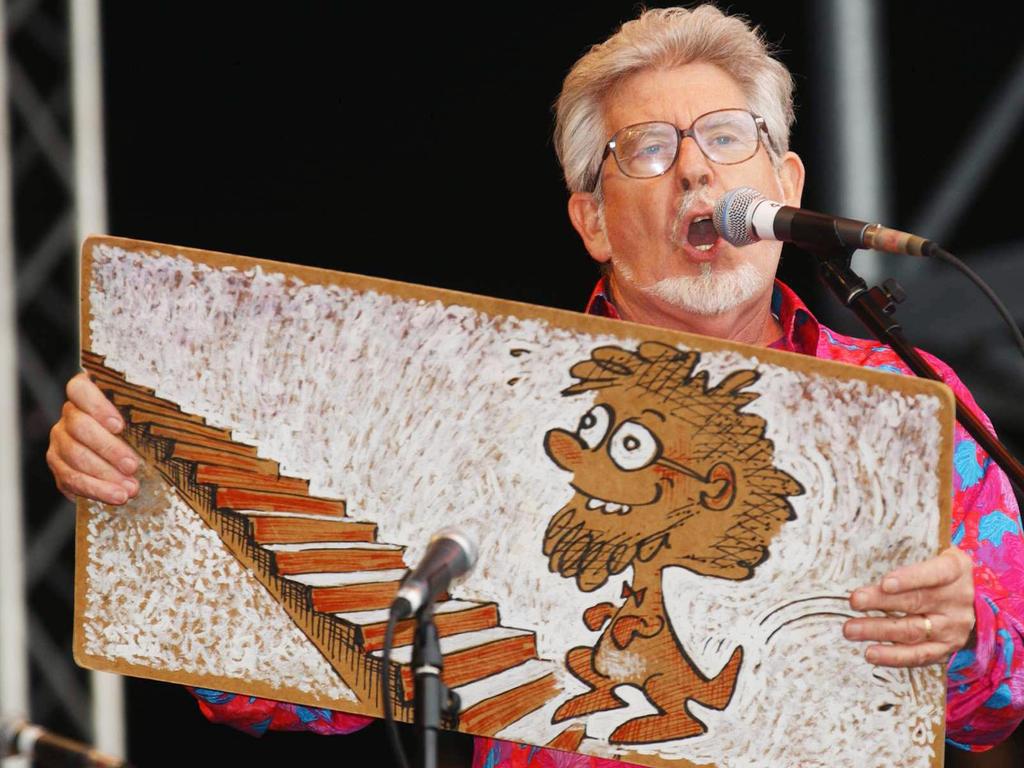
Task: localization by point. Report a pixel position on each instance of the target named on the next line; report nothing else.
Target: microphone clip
(836, 271)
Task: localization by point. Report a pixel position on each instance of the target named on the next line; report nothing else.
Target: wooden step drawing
(328, 570)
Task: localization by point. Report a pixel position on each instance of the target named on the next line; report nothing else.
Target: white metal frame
(14, 689)
(77, 162)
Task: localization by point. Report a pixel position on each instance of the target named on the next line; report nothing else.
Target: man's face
(645, 234)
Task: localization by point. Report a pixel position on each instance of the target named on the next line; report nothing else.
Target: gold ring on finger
(927, 628)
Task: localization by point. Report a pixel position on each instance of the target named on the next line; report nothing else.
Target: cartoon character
(667, 471)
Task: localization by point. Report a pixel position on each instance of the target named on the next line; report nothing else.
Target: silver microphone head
(733, 215)
(465, 543)
(450, 555)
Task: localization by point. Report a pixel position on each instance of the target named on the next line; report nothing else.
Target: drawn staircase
(327, 570)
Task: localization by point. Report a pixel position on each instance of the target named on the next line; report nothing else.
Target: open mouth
(701, 233)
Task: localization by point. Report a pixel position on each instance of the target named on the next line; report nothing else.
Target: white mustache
(690, 200)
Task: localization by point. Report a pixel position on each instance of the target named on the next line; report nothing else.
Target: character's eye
(594, 425)
(633, 446)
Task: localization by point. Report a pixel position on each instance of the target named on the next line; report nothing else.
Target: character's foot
(598, 700)
(580, 661)
(568, 740)
(718, 691)
(654, 728)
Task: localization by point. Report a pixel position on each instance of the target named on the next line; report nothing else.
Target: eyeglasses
(646, 150)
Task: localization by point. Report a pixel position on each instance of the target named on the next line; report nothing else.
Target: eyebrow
(654, 412)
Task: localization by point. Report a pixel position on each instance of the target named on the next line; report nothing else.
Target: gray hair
(664, 38)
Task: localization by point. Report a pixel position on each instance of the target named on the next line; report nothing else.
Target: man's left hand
(934, 603)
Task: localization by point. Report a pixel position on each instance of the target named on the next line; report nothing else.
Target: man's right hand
(84, 455)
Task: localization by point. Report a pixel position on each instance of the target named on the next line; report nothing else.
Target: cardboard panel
(668, 525)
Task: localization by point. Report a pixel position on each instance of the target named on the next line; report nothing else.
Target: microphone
(48, 750)
(451, 554)
(743, 216)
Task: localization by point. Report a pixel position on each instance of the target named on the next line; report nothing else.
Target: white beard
(710, 292)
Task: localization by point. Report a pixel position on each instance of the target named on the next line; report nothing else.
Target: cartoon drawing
(667, 471)
(303, 433)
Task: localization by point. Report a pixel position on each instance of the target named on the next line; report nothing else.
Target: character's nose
(564, 449)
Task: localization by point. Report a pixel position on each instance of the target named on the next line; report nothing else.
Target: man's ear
(585, 215)
(791, 179)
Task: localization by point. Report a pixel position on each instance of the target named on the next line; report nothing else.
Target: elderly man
(652, 127)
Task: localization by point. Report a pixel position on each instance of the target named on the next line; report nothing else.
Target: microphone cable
(385, 684)
(934, 251)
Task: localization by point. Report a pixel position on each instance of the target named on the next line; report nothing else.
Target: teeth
(701, 218)
(608, 507)
(705, 247)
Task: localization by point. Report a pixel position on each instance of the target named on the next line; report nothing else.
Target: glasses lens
(728, 136)
(646, 150)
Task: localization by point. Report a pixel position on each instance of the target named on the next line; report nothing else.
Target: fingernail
(129, 466)
(891, 584)
(131, 486)
(871, 655)
(114, 425)
(120, 497)
(857, 599)
(852, 632)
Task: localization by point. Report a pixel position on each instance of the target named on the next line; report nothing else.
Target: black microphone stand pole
(433, 699)
(875, 307)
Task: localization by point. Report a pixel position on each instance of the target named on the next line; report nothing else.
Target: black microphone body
(451, 554)
(806, 228)
(743, 216)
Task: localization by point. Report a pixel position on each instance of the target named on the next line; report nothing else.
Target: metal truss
(51, 160)
(13, 647)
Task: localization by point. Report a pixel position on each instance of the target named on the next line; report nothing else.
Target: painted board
(668, 524)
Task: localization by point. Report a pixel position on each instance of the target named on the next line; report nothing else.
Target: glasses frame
(682, 133)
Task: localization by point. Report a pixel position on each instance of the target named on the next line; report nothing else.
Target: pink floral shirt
(986, 683)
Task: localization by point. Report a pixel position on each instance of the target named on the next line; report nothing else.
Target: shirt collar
(600, 302)
(800, 329)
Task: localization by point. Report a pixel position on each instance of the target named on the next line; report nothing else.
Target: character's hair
(663, 38)
(721, 431)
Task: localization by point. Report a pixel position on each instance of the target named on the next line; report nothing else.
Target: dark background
(415, 144)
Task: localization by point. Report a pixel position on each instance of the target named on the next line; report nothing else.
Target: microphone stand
(875, 307)
(433, 699)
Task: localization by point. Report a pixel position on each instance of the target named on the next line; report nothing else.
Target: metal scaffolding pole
(856, 61)
(14, 687)
(47, 176)
(90, 188)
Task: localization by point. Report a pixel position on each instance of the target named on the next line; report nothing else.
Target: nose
(564, 449)
(693, 169)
